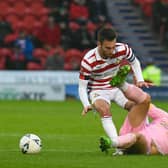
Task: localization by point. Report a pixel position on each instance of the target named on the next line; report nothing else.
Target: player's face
(106, 49)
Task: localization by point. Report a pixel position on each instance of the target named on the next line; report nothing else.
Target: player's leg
(101, 103)
(139, 111)
(122, 101)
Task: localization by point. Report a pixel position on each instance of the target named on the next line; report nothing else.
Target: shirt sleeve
(83, 92)
(136, 67)
(135, 64)
(85, 73)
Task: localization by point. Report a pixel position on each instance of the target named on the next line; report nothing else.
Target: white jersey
(99, 71)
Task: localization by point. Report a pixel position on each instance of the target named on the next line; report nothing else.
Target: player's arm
(85, 73)
(84, 96)
(136, 67)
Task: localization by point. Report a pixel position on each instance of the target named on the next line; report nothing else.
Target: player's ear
(98, 43)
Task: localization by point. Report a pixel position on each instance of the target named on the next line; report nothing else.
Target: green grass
(69, 140)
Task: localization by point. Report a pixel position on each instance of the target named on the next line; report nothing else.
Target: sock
(125, 141)
(124, 86)
(110, 130)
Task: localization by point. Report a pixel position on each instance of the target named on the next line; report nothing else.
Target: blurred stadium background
(41, 45)
(43, 41)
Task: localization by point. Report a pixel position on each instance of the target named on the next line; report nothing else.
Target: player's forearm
(136, 67)
(83, 92)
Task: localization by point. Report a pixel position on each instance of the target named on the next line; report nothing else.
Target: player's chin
(110, 56)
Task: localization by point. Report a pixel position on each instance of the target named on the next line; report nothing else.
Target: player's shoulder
(90, 54)
(122, 46)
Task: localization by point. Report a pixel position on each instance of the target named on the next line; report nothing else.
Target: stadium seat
(34, 66)
(33, 1)
(2, 62)
(5, 52)
(40, 11)
(11, 2)
(37, 5)
(91, 27)
(21, 9)
(18, 26)
(40, 54)
(12, 18)
(43, 19)
(4, 8)
(147, 7)
(74, 26)
(36, 26)
(10, 38)
(68, 66)
(73, 54)
(28, 23)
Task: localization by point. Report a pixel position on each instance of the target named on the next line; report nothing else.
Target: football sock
(110, 130)
(125, 141)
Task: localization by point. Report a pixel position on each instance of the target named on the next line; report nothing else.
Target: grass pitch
(69, 140)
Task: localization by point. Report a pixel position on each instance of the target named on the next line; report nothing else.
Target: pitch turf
(69, 140)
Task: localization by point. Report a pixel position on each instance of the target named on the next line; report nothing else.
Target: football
(30, 144)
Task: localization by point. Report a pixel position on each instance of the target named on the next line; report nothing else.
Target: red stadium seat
(21, 9)
(36, 26)
(43, 19)
(38, 9)
(37, 5)
(11, 2)
(12, 19)
(30, 2)
(40, 54)
(68, 67)
(28, 23)
(4, 5)
(40, 12)
(58, 50)
(2, 62)
(74, 26)
(5, 52)
(10, 38)
(18, 26)
(73, 54)
(34, 66)
(91, 27)
(4, 8)
(147, 7)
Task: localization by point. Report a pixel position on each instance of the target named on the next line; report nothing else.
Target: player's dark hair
(106, 33)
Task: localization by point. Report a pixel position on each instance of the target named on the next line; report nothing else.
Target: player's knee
(129, 105)
(104, 111)
(103, 108)
(147, 99)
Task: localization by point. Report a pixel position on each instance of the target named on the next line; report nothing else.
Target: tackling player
(98, 68)
(137, 137)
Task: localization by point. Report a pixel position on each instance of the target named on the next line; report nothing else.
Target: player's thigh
(101, 102)
(120, 99)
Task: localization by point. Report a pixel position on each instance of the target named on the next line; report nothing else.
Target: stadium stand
(77, 22)
(134, 30)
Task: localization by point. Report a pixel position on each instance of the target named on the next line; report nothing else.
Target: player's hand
(144, 84)
(86, 110)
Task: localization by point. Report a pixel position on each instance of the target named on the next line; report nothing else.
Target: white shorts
(114, 95)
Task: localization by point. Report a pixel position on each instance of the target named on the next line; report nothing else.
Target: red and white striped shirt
(99, 71)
